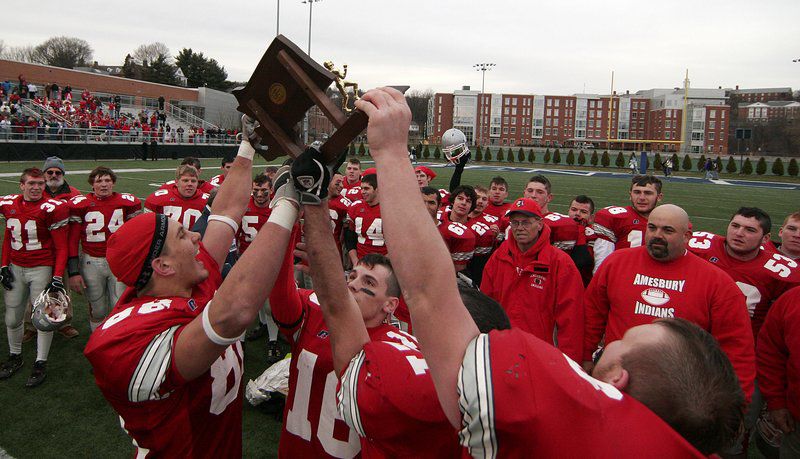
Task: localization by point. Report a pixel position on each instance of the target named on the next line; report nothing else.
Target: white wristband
(284, 214)
(211, 334)
(246, 150)
(224, 219)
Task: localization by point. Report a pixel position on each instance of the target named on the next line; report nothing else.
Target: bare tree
(66, 52)
(418, 102)
(151, 52)
(17, 53)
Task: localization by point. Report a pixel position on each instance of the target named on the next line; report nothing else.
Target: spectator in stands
(32, 90)
(180, 134)
(5, 126)
(55, 94)
(117, 103)
(161, 102)
(66, 93)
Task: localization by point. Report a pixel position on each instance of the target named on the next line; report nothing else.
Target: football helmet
(454, 144)
(51, 310)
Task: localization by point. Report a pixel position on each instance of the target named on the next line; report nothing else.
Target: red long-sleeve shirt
(631, 288)
(541, 291)
(778, 354)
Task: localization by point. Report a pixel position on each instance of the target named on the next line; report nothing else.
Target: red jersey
(365, 221)
(459, 239)
(495, 210)
(519, 397)
(252, 221)
(484, 237)
(202, 185)
(170, 203)
(563, 230)
(36, 233)
(631, 289)
(165, 415)
(312, 426)
(391, 381)
(338, 210)
(93, 220)
(216, 181)
(762, 280)
(541, 291)
(351, 191)
(622, 226)
(778, 354)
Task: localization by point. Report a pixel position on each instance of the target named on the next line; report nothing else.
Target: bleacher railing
(56, 134)
(188, 118)
(38, 111)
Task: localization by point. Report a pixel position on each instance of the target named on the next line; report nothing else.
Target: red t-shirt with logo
(630, 288)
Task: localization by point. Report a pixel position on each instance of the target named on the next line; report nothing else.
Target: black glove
(311, 177)
(462, 161)
(6, 277)
(56, 284)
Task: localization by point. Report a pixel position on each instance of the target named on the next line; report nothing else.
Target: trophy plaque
(285, 84)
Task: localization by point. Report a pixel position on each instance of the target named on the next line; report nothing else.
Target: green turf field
(67, 416)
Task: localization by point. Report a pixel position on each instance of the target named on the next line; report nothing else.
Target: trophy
(284, 85)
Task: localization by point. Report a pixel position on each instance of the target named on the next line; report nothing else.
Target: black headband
(156, 246)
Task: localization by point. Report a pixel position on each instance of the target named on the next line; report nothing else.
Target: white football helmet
(51, 310)
(454, 144)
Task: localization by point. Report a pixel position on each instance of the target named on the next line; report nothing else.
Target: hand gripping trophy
(342, 85)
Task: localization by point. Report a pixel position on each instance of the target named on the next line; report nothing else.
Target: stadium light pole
(278, 16)
(310, 11)
(482, 67)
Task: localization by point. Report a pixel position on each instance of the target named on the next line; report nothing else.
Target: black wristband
(73, 266)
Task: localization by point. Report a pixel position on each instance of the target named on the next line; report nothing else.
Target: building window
(722, 115)
(557, 102)
(547, 131)
(505, 130)
(513, 130)
(555, 111)
(596, 133)
(666, 135)
(711, 136)
(712, 114)
(712, 124)
(549, 112)
(549, 102)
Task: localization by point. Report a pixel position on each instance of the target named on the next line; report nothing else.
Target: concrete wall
(220, 107)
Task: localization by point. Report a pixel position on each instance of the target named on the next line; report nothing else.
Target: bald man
(662, 279)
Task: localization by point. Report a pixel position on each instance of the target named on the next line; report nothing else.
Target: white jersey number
(635, 238)
(189, 215)
(15, 228)
(374, 233)
(221, 394)
(95, 222)
(297, 421)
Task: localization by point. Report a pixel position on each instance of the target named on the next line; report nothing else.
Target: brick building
(758, 95)
(581, 119)
(771, 110)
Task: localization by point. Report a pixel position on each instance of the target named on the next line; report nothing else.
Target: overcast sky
(549, 48)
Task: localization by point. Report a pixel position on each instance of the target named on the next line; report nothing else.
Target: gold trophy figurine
(342, 85)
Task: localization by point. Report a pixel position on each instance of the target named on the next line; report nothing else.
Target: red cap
(427, 171)
(132, 248)
(369, 171)
(525, 206)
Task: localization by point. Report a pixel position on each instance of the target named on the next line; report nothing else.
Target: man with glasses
(537, 284)
(57, 188)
